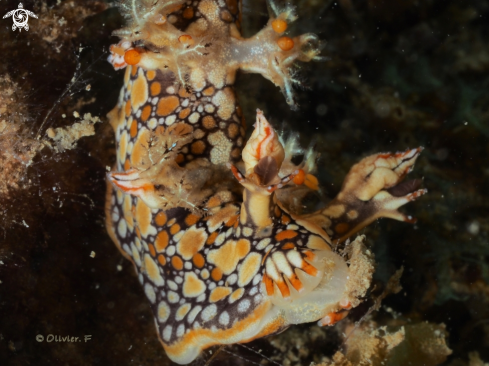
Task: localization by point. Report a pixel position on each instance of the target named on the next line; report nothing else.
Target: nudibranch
(208, 219)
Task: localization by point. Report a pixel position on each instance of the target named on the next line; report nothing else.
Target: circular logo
(20, 17)
(39, 338)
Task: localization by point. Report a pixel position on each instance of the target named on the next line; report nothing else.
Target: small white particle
(167, 333)
(224, 318)
(180, 330)
(170, 250)
(193, 313)
(173, 297)
(209, 312)
(170, 120)
(150, 292)
(473, 228)
(256, 279)
(244, 305)
(231, 280)
(194, 117)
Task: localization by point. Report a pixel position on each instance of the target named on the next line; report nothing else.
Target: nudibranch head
(263, 144)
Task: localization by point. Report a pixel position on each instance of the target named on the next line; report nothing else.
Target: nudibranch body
(209, 221)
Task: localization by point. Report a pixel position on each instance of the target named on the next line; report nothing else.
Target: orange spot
(212, 238)
(198, 147)
(179, 158)
(341, 228)
(188, 13)
(184, 113)
(186, 39)
(191, 219)
(268, 284)
(139, 92)
(161, 218)
(191, 242)
(216, 274)
(132, 57)
(183, 93)
(288, 246)
(152, 250)
(285, 219)
(267, 134)
(309, 269)
(167, 105)
(151, 75)
(309, 255)
(311, 182)
(117, 50)
(128, 108)
(155, 88)
(284, 288)
(174, 229)
(198, 260)
(161, 240)
(161, 259)
(279, 25)
(140, 150)
(236, 295)
(285, 43)
(145, 113)
(138, 232)
(232, 221)
(209, 91)
(277, 211)
(134, 128)
(209, 122)
(134, 71)
(127, 165)
(296, 283)
(286, 234)
(213, 202)
(177, 263)
(300, 177)
(219, 293)
(333, 318)
(233, 130)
